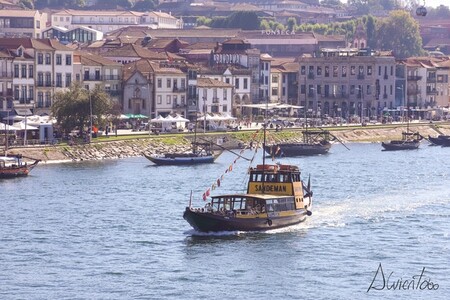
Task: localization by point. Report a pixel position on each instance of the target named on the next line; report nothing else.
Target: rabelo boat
(13, 166)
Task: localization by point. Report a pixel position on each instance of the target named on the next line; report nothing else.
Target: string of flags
(218, 182)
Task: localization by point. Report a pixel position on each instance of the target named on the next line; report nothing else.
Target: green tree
(27, 4)
(291, 23)
(145, 5)
(440, 12)
(371, 32)
(73, 108)
(264, 25)
(400, 33)
(331, 3)
(203, 21)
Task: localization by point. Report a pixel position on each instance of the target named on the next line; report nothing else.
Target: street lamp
(90, 114)
(402, 101)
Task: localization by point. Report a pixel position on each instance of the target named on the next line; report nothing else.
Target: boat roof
(259, 196)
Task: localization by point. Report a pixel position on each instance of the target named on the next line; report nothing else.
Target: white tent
(6, 127)
(22, 126)
(158, 119)
(14, 118)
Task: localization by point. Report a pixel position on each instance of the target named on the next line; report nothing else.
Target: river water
(114, 230)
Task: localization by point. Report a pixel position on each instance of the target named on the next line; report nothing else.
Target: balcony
(179, 89)
(4, 75)
(92, 78)
(431, 79)
(114, 93)
(414, 78)
(111, 77)
(215, 100)
(179, 106)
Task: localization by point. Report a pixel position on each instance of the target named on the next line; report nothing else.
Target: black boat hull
(441, 140)
(181, 160)
(297, 149)
(400, 145)
(210, 222)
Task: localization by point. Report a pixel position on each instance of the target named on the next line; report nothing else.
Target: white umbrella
(158, 119)
(170, 119)
(5, 127)
(179, 118)
(15, 118)
(123, 117)
(22, 126)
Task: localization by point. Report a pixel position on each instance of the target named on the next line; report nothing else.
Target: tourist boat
(440, 139)
(409, 141)
(314, 142)
(276, 197)
(14, 166)
(201, 153)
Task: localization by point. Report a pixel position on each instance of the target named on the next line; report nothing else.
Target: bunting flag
(208, 191)
(230, 168)
(278, 150)
(218, 182)
(213, 187)
(204, 196)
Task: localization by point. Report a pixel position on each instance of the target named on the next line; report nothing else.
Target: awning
(23, 111)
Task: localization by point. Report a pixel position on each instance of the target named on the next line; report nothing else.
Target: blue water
(114, 230)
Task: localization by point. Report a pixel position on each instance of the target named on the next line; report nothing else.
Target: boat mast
(305, 135)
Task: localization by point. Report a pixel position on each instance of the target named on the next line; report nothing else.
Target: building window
(58, 80)
(40, 79)
(274, 91)
(16, 92)
(344, 71)
(327, 71)
(58, 59)
(236, 83)
(30, 71)
(225, 94)
(24, 71)
(16, 71)
(40, 99)
(335, 71)
(183, 83)
(169, 84)
(68, 79)
(48, 60)
(274, 79)
(68, 60)
(97, 74)
(159, 83)
(159, 99)
(319, 71)
(48, 79)
(303, 70)
(30, 94)
(369, 70)
(352, 70)
(168, 99)
(48, 99)
(245, 83)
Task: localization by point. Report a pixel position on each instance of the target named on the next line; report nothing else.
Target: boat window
(282, 204)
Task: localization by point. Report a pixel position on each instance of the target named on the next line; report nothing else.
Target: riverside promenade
(128, 143)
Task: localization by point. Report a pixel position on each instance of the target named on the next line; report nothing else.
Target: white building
(106, 21)
(214, 96)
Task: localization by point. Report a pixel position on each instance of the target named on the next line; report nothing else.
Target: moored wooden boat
(13, 166)
(409, 141)
(202, 153)
(440, 139)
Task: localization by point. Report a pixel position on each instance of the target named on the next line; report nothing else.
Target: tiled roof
(209, 82)
(27, 43)
(17, 13)
(131, 50)
(55, 44)
(91, 59)
(75, 12)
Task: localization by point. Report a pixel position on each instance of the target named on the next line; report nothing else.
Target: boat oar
(223, 148)
(336, 138)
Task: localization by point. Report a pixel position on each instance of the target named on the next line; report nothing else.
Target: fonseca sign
(278, 32)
